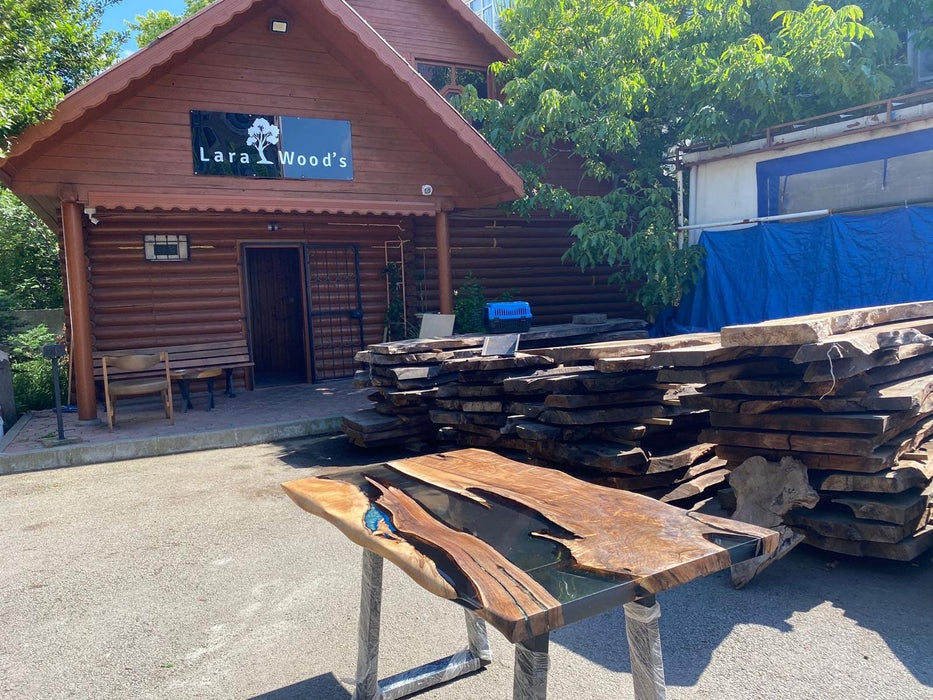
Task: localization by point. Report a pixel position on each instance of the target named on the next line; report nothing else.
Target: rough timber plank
(904, 475)
(752, 405)
(908, 508)
(578, 382)
(696, 486)
(491, 364)
(603, 456)
(775, 388)
(850, 367)
(907, 549)
(815, 421)
(794, 442)
(900, 396)
(714, 353)
(406, 347)
(605, 415)
(883, 458)
(652, 394)
(683, 457)
(867, 342)
(844, 526)
(624, 348)
(712, 374)
(800, 330)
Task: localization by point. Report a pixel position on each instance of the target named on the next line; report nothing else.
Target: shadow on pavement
(323, 687)
(890, 598)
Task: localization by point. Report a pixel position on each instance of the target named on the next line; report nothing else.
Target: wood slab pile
(407, 373)
(612, 422)
(849, 394)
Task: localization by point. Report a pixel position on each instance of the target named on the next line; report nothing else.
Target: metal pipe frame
(368, 686)
(642, 629)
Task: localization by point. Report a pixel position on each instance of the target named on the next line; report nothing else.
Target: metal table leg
(368, 685)
(210, 393)
(531, 666)
(367, 651)
(185, 387)
(644, 642)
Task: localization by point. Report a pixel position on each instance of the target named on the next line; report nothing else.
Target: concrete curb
(77, 455)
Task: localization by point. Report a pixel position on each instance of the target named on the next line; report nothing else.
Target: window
(489, 10)
(450, 80)
(486, 9)
(166, 246)
(869, 174)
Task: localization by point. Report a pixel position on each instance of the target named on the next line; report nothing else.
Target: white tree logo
(262, 134)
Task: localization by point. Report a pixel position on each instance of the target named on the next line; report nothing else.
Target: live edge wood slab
(526, 548)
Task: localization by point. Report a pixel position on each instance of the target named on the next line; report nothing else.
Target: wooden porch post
(444, 280)
(76, 268)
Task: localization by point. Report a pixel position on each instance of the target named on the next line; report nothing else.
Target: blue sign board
(268, 146)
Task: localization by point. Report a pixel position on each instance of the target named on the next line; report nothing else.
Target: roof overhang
(351, 39)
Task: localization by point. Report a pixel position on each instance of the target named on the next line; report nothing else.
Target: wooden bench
(187, 360)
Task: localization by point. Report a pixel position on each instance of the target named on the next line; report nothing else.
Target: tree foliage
(623, 84)
(47, 49)
(149, 26)
(29, 271)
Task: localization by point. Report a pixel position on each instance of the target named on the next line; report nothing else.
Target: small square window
(166, 246)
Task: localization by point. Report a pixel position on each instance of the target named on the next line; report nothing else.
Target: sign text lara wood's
(261, 145)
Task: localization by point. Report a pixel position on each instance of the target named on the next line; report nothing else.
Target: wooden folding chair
(119, 388)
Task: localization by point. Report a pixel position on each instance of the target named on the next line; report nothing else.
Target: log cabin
(256, 172)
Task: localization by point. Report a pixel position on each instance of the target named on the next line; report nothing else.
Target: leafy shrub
(32, 373)
(469, 305)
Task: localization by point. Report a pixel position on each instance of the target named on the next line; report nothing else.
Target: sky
(128, 9)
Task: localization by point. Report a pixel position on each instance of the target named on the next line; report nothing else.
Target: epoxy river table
(524, 548)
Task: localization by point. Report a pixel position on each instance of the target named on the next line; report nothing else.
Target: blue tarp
(774, 270)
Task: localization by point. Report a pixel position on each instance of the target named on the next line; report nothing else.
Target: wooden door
(276, 324)
(335, 309)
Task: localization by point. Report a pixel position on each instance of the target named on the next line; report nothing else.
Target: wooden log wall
(506, 254)
(138, 303)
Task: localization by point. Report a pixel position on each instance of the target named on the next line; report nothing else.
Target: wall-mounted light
(278, 26)
(273, 226)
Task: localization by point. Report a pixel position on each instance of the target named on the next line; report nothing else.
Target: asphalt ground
(194, 576)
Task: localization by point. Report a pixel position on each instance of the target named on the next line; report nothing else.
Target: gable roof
(347, 35)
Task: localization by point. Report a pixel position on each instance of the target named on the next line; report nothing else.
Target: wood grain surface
(640, 541)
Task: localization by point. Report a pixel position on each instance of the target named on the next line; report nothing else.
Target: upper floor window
(488, 10)
(450, 80)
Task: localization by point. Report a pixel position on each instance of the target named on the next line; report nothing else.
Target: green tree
(29, 266)
(623, 84)
(149, 26)
(47, 49)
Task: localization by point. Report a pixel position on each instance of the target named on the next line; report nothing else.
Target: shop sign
(268, 146)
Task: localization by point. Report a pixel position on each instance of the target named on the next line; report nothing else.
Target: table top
(196, 373)
(528, 549)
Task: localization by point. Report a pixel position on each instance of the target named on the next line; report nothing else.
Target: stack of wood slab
(849, 394)
(597, 411)
(407, 373)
